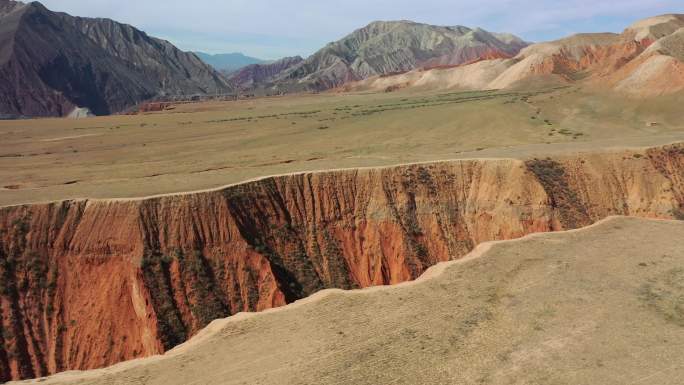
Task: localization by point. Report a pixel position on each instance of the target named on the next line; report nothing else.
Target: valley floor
(208, 145)
(599, 305)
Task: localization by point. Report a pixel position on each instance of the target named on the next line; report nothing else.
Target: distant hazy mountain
(387, 47)
(254, 75)
(51, 63)
(228, 62)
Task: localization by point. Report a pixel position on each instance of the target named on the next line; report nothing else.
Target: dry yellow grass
(206, 145)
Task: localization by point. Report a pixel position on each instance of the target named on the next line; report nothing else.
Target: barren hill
(383, 48)
(645, 60)
(52, 63)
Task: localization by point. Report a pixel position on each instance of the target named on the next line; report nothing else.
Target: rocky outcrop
(52, 63)
(154, 271)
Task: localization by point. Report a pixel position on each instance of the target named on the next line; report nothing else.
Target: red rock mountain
(647, 59)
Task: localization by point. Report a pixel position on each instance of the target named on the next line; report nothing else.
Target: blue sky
(270, 29)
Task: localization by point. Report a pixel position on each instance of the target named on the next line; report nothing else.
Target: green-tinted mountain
(387, 47)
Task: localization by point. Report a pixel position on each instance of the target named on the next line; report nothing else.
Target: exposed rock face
(654, 28)
(51, 63)
(645, 60)
(255, 75)
(383, 48)
(152, 272)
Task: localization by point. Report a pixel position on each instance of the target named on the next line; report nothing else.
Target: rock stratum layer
(152, 272)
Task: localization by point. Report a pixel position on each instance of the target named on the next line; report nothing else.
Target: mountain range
(54, 64)
(229, 62)
(257, 75)
(387, 47)
(646, 59)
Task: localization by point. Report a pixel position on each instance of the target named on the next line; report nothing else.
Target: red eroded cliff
(595, 61)
(85, 284)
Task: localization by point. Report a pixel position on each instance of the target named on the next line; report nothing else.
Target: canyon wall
(88, 283)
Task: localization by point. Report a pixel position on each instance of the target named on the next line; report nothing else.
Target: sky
(270, 29)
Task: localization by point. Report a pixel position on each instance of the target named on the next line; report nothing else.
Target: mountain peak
(386, 47)
(656, 27)
(65, 62)
(391, 22)
(7, 6)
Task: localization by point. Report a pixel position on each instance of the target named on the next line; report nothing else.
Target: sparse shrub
(553, 178)
(156, 277)
(678, 214)
(146, 262)
(420, 250)
(166, 259)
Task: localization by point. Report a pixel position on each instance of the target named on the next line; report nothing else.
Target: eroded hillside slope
(387, 47)
(645, 60)
(597, 305)
(52, 63)
(152, 272)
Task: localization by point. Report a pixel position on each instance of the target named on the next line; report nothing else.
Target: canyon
(594, 305)
(432, 204)
(154, 271)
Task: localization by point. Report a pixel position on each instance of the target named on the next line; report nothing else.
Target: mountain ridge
(253, 75)
(59, 62)
(386, 47)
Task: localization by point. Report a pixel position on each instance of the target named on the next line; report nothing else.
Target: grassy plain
(207, 145)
